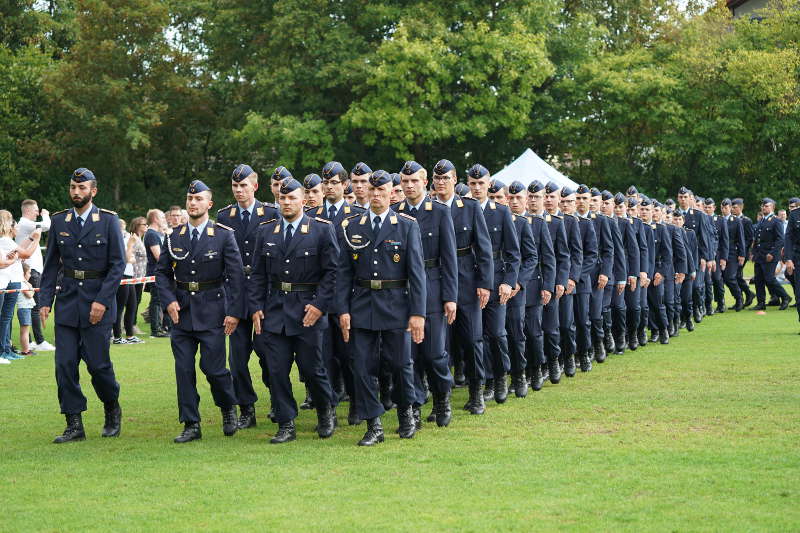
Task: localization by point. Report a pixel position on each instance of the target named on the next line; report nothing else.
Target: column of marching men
(414, 285)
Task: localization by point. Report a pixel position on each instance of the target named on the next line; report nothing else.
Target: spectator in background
(25, 303)
(782, 216)
(126, 294)
(153, 240)
(25, 227)
(184, 217)
(11, 277)
(137, 228)
(174, 215)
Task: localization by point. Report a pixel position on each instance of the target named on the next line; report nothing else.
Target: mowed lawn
(703, 434)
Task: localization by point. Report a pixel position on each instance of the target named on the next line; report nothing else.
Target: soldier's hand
(679, 277)
(516, 290)
(416, 325)
(790, 267)
(344, 325)
(96, 312)
(173, 310)
(723, 264)
(769, 258)
(602, 281)
(44, 312)
(483, 296)
(702, 265)
(450, 310)
(546, 297)
(257, 317)
(657, 279)
(570, 287)
(230, 324)
(504, 293)
(642, 279)
(559, 291)
(312, 315)
(712, 266)
(620, 289)
(632, 283)
(740, 259)
(646, 283)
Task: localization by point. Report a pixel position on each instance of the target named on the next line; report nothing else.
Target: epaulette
(268, 221)
(556, 216)
(224, 208)
(346, 220)
(223, 226)
(438, 201)
(409, 217)
(548, 217)
(468, 198)
(530, 219)
(109, 211)
(59, 212)
(322, 220)
(593, 216)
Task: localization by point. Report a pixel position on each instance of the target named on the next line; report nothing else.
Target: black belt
(432, 263)
(378, 284)
(464, 251)
(294, 287)
(84, 274)
(198, 285)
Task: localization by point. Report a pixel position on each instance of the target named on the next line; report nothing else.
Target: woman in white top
(126, 294)
(11, 276)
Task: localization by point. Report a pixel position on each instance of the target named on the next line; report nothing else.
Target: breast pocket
(396, 252)
(309, 257)
(463, 235)
(97, 246)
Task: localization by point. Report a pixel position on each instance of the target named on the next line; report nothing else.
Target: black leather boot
(689, 324)
(599, 350)
(655, 335)
(641, 336)
(739, 305)
(569, 366)
(441, 406)
(405, 417)
(416, 413)
(698, 315)
(191, 431)
(326, 421)
(247, 416)
(554, 370)
(500, 389)
(229, 421)
(432, 417)
(308, 403)
(586, 362)
(520, 385)
(748, 298)
(633, 339)
(113, 420)
(459, 379)
(374, 433)
(286, 433)
(476, 405)
(488, 390)
(73, 431)
(785, 303)
(537, 379)
(663, 337)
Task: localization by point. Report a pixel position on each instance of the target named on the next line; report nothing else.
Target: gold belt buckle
(79, 274)
(286, 286)
(375, 284)
(194, 286)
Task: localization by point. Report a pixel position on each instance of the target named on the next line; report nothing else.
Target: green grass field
(700, 435)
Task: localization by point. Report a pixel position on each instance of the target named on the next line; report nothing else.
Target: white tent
(529, 167)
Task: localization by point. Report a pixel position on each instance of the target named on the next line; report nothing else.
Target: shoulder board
(224, 208)
(268, 221)
(223, 226)
(109, 211)
(322, 220)
(630, 220)
(468, 198)
(556, 216)
(357, 208)
(59, 212)
(530, 219)
(409, 217)
(352, 216)
(593, 216)
(513, 217)
(548, 217)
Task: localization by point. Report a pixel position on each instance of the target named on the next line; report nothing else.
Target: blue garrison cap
(670, 202)
(495, 186)
(361, 168)
(380, 177)
(794, 200)
(281, 173)
(594, 191)
(726, 201)
(632, 190)
(516, 187)
(197, 186)
(684, 190)
(709, 201)
(619, 199)
(551, 187)
(348, 189)
(535, 186)
(646, 202)
(699, 199)
(566, 191)
(395, 179)
(737, 201)
(333, 169)
(443, 167)
(767, 200)
(583, 189)
(82, 174)
(410, 167)
(606, 195)
(241, 172)
(632, 202)
(311, 181)
(288, 185)
(669, 211)
(477, 171)
(461, 189)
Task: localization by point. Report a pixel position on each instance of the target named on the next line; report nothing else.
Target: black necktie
(245, 218)
(288, 237)
(414, 212)
(376, 226)
(195, 237)
(332, 212)
(80, 221)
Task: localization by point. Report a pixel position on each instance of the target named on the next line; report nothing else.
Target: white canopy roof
(529, 167)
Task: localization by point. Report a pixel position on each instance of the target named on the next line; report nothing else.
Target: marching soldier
(636, 306)
(720, 226)
(737, 208)
(613, 291)
(278, 175)
(475, 274)
(441, 281)
(673, 272)
(767, 245)
(505, 254)
(86, 256)
(693, 264)
(620, 301)
(244, 216)
(587, 278)
(662, 268)
(737, 251)
(200, 278)
(697, 222)
(381, 295)
(397, 189)
(293, 285)
(791, 250)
